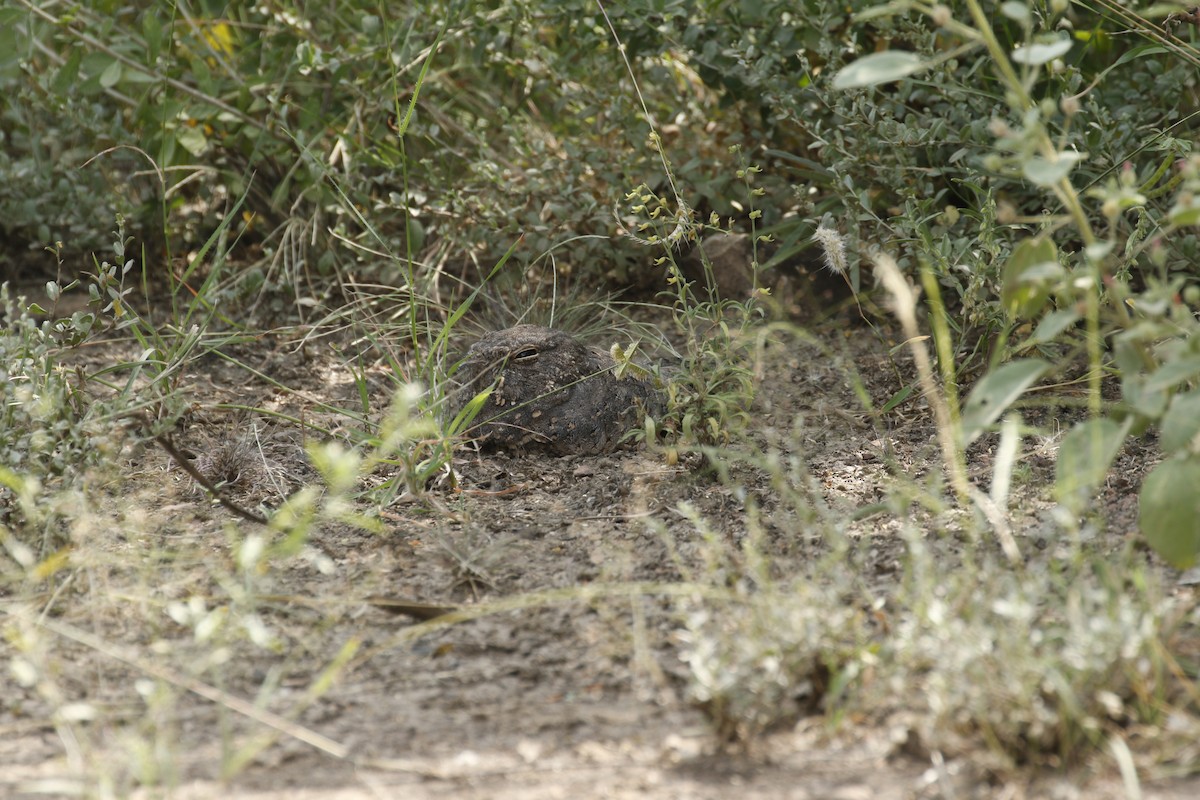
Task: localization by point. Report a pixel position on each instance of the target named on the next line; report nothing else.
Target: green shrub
(1087, 256)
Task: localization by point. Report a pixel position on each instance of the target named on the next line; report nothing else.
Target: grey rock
(731, 256)
(552, 394)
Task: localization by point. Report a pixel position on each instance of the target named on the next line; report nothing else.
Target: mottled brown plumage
(552, 393)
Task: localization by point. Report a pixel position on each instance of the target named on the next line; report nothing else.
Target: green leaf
(1169, 510)
(1182, 422)
(111, 75)
(1041, 52)
(1018, 12)
(1098, 251)
(996, 392)
(1053, 324)
(1140, 52)
(416, 235)
(1126, 355)
(877, 68)
(152, 31)
(1149, 404)
(1049, 171)
(898, 398)
(202, 75)
(1030, 272)
(67, 74)
(402, 125)
(1183, 215)
(888, 10)
(192, 138)
(1173, 373)
(1086, 453)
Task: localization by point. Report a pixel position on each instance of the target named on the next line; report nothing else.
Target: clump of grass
(475, 558)
(1040, 665)
(710, 383)
(771, 654)
(53, 432)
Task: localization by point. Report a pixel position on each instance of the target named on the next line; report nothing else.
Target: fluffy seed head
(833, 246)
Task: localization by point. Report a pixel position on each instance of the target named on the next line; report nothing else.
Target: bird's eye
(525, 354)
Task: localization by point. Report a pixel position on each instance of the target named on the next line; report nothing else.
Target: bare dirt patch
(578, 692)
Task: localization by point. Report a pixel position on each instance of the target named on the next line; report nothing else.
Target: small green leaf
(1049, 171)
(111, 75)
(898, 398)
(1169, 510)
(1126, 355)
(1148, 403)
(1182, 422)
(1041, 52)
(1173, 373)
(1028, 276)
(192, 138)
(469, 411)
(877, 68)
(416, 235)
(68, 73)
(1086, 453)
(1098, 251)
(152, 32)
(1140, 52)
(1053, 324)
(996, 392)
(887, 10)
(1183, 215)
(1018, 12)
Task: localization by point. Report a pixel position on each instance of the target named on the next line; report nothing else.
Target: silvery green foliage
(769, 657)
(43, 417)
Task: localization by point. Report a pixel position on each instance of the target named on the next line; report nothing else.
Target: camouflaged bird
(551, 393)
